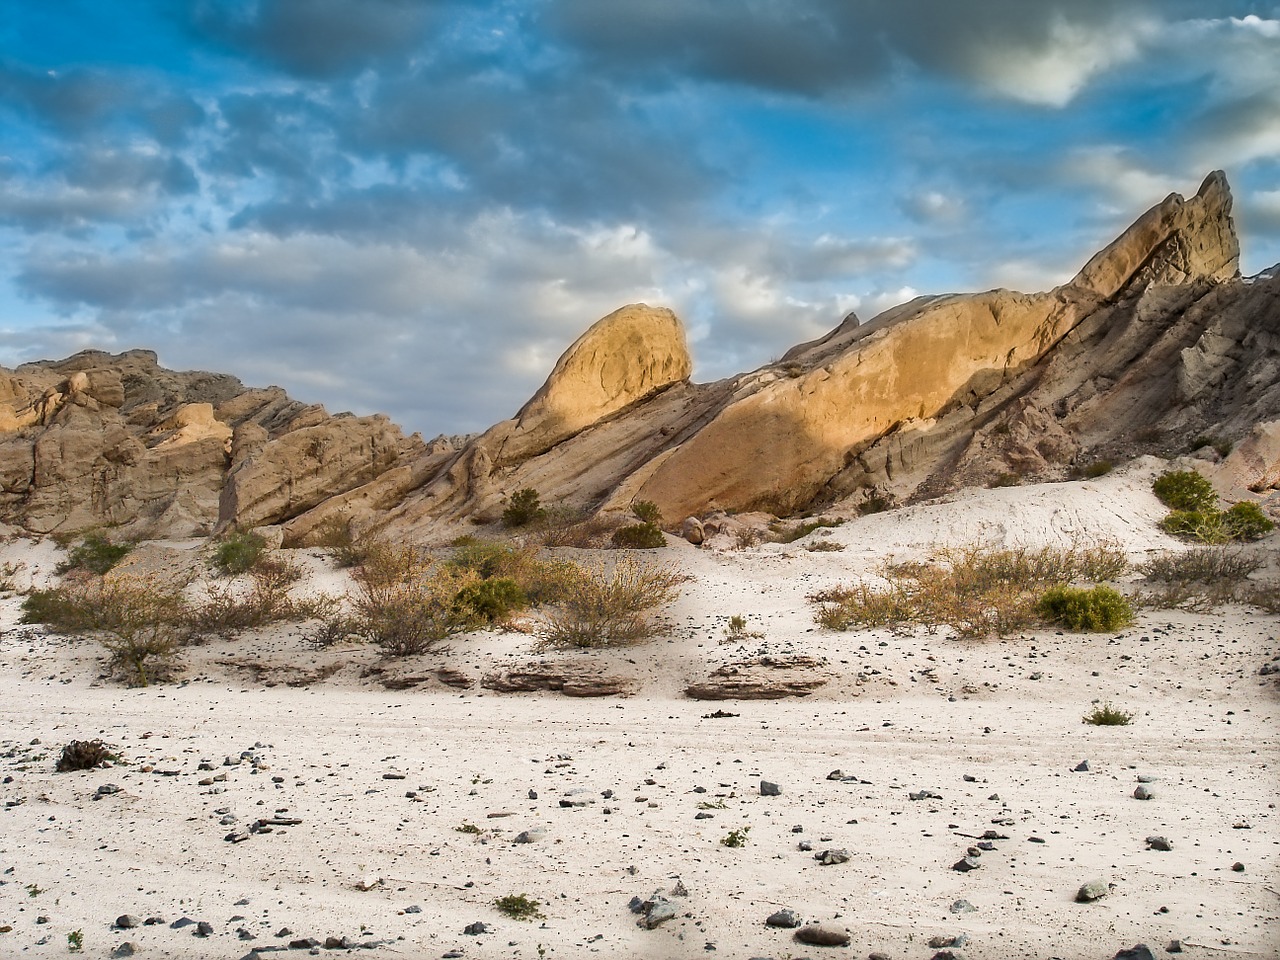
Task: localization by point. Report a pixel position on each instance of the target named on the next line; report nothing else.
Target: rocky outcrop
(762, 678)
(573, 680)
(1155, 339)
(117, 440)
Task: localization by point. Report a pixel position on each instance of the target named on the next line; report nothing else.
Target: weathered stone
(692, 530)
(572, 679)
(785, 917)
(821, 935)
(768, 789)
(1092, 890)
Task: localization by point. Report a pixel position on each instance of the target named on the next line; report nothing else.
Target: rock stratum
(1156, 340)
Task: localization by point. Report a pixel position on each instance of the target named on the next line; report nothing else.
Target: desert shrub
(1221, 446)
(96, 554)
(61, 609)
(1206, 526)
(492, 600)
(824, 546)
(974, 591)
(737, 632)
(518, 907)
(1107, 716)
(83, 755)
(609, 608)
(228, 608)
(524, 508)
(1006, 479)
(1086, 610)
(735, 838)
(646, 511)
(541, 578)
(1201, 565)
(335, 536)
(746, 538)
(565, 526)
(1246, 521)
(1092, 471)
(639, 536)
(1185, 490)
(238, 553)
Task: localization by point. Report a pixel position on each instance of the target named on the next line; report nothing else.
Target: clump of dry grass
(1205, 578)
(230, 607)
(610, 606)
(973, 590)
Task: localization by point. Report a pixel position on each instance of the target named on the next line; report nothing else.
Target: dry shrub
(973, 590)
(565, 527)
(1205, 578)
(541, 578)
(610, 607)
(140, 622)
(83, 755)
(228, 608)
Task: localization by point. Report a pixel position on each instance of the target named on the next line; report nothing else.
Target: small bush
(1246, 521)
(639, 536)
(1206, 526)
(335, 536)
(610, 608)
(61, 609)
(646, 511)
(1092, 471)
(229, 608)
(737, 632)
(804, 529)
(238, 553)
(492, 600)
(824, 546)
(1185, 490)
(1204, 565)
(735, 838)
(95, 554)
(523, 508)
(1086, 610)
(1107, 716)
(518, 907)
(83, 755)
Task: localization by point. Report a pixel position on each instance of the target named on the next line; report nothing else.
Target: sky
(415, 206)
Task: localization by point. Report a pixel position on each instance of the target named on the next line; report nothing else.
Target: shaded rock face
(103, 440)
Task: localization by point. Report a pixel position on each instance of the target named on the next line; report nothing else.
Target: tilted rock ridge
(1155, 339)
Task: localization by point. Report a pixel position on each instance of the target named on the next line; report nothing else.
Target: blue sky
(414, 206)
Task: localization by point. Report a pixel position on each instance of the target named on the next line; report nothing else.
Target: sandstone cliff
(101, 440)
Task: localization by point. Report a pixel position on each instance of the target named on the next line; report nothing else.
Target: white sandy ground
(901, 714)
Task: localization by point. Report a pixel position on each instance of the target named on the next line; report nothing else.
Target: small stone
(835, 775)
(1238, 867)
(338, 943)
(768, 789)
(1142, 792)
(819, 935)
(786, 917)
(414, 908)
(1081, 767)
(965, 864)
(831, 857)
(533, 794)
(367, 883)
(126, 922)
(1091, 891)
(532, 835)
(1175, 946)
(477, 928)
(679, 890)
(283, 932)
(203, 929)
(660, 911)
(181, 922)
(304, 943)
(393, 775)
(963, 906)
(125, 949)
(1137, 952)
(1159, 843)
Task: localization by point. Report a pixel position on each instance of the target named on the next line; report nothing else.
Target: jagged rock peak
(1175, 241)
(623, 358)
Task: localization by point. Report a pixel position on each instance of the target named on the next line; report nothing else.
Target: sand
(381, 780)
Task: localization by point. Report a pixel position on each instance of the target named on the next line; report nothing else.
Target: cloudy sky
(414, 206)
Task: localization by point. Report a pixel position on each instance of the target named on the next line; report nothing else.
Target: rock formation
(100, 440)
(1155, 341)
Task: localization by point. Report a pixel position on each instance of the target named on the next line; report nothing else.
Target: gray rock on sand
(785, 917)
(1138, 951)
(828, 858)
(1092, 890)
(1159, 843)
(1081, 767)
(126, 922)
(768, 789)
(477, 928)
(1143, 792)
(963, 906)
(821, 935)
(126, 949)
(532, 835)
(965, 864)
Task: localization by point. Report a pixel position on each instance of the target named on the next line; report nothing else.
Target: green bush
(524, 508)
(1207, 526)
(1107, 716)
(492, 600)
(646, 511)
(518, 907)
(1086, 610)
(95, 554)
(238, 553)
(603, 609)
(1246, 521)
(1185, 490)
(639, 536)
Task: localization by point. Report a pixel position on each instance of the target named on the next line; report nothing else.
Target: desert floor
(381, 780)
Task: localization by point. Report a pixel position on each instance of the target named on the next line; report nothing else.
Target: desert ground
(916, 748)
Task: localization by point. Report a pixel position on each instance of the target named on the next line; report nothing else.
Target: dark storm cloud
(317, 38)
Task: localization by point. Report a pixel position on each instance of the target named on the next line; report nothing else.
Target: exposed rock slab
(573, 680)
(761, 678)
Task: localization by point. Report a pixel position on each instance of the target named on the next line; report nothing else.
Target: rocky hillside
(102, 440)
(1156, 341)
